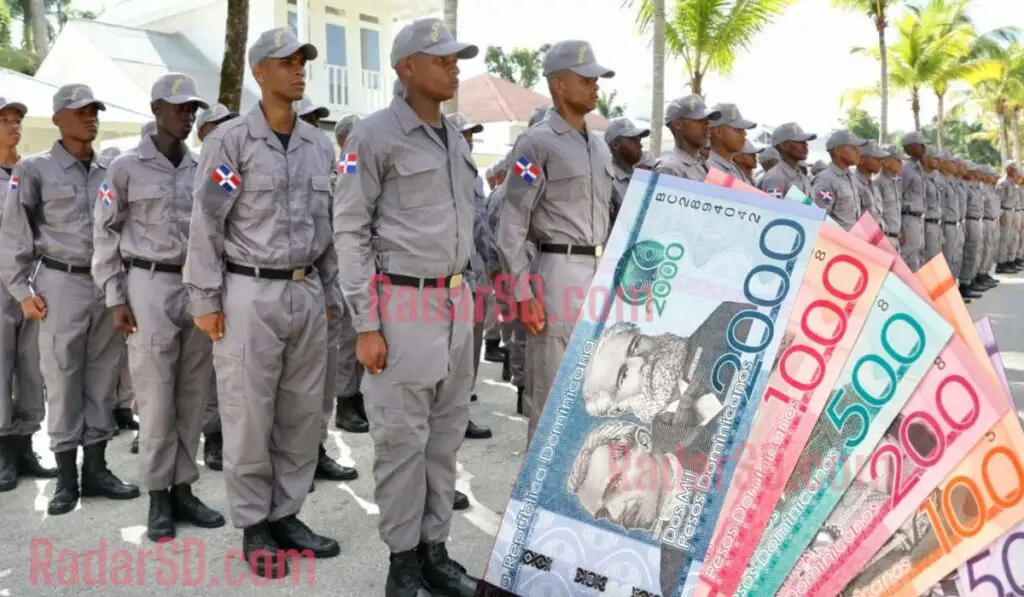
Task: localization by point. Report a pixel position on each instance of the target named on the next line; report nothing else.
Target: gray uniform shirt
(679, 163)
(569, 202)
(728, 166)
(992, 203)
(143, 212)
(777, 181)
(913, 188)
(834, 190)
(1007, 195)
(975, 200)
(258, 205)
(949, 202)
(888, 190)
(933, 196)
(620, 182)
(48, 211)
(870, 201)
(483, 238)
(408, 210)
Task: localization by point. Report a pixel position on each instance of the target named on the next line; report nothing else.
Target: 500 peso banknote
(623, 481)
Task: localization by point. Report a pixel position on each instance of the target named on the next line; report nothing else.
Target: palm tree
(231, 69)
(35, 33)
(656, 20)
(998, 86)
(451, 20)
(878, 11)
(607, 107)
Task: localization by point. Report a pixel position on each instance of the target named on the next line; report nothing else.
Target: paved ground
(59, 555)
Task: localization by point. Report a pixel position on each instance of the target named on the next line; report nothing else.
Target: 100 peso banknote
(843, 279)
(898, 344)
(623, 481)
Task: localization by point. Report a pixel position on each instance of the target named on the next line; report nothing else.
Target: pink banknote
(842, 280)
(988, 340)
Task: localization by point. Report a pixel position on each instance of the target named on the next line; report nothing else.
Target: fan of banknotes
(757, 402)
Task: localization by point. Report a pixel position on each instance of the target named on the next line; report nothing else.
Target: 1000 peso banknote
(898, 344)
(622, 484)
(843, 279)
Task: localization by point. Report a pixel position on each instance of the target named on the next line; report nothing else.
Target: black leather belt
(952, 223)
(891, 235)
(564, 249)
(933, 220)
(153, 266)
(975, 219)
(910, 213)
(65, 267)
(453, 281)
(990, 219)
(263, 273)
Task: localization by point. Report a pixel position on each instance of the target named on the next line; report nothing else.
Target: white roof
(38, 97)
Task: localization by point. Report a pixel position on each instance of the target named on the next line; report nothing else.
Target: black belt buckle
(65, 267)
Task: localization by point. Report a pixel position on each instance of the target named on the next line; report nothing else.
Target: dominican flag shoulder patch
(106, 195)
(15, 181)
(826, 197)
(526, 170)
(776, 192)
(348, 163)
(225, 178)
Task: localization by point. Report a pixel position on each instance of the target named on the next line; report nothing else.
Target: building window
(293, 22)
(335, 35)
(369, 46)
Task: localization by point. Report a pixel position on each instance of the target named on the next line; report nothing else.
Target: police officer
(870, 164)
(21, 385)
(834, 189)
(209, 119)
(141, 221)
(403, 229)
(625, 141)
(1018, 261)
(687, 118)
(816, 168)
(889, 187)
(933, 204)
(45, 250)
(768, 158)
(913, 189)
(213, 439)
(350, 411)
(558, 193)
(1008, 195)
(974, 230)
(747, 158)
(262, 277)
(791, 143)
(988, 180)
(326, 467)
(728, 134)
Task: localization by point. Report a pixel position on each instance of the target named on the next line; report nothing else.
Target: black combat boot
(98, 481)
(28, 461)
(292, 533)
(134, 448)
(65, 496)
(506, 368)
(186, 507)
(519, 400)
(124, 419)
(160, 523)
(8, 462)
(474, 431)
(967, 293)
(461, 501)
(264, 556)
(213, 451)
(405, 578)
(347, 417)
(493, 352)
(329, 470)
(442, 574)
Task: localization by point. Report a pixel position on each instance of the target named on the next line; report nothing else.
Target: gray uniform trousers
(271, 364)
(1019, 253)
(912, 249)
(22, 405)
(480, 330)
(80, 354)
(973, 246)
(1007, 235)
(211, 416)
(332, 374)
(349, 370)
(492, 327)
(418, 409)
(951, 248)
(125, 389)
(932, 240)
(991, 245)
(513, 330)
(170, 362)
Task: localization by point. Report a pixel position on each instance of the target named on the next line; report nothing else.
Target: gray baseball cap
(872, 150)
(176, 88)
(538, 115)
(972, 167)
(110, 153)
(216, 113)
(624, 127)
(148, 129)
(894, 151)
(931, 151)
(305, 107)
(750, 149)
(843, 137)
(790, 131)
(691, 107)
(577, 56)
(914, 138)
(279, 43)
(73, 97)
(497, 167)
(398, 90)
(462, 123)
(346, 123)
(818, 166)
(729, 115)
(768, 154)
(429, 36)
(17, 106)
(1010, 165)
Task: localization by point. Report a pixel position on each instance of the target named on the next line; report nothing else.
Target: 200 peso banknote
(623, 481)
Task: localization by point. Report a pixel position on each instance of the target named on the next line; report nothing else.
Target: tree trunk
(1004, 136)
(26, 35)
(40, 32)
(232, 67)
(915, 107)
(1016, 135)
(883, 120)
(697, 83)
(940, 118)
(658, 78)
(451, 20)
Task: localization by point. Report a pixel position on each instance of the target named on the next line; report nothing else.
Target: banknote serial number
(706, 206)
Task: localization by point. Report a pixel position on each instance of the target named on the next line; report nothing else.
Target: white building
(136, 41)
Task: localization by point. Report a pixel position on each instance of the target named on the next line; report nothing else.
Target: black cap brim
(184, 99)
(85, 102)
(593, 71)
(458, 49)
(309, 51)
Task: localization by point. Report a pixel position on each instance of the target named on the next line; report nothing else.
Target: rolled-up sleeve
(17, 240)
(516, 208)
(109, 215)
(355, 201)
(211, 203)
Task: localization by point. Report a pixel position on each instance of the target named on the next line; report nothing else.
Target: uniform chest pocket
(145, 202)
(566, 180)
(60, 204)
(258, 196)
(320, 196)
(419, 177)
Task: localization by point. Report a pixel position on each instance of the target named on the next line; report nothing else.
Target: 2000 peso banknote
(623, 481)
(898, 344)
(843, 279)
